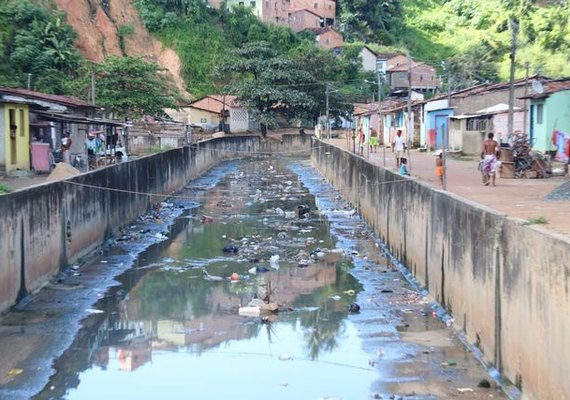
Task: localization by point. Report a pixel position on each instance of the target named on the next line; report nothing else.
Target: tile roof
(214, 103)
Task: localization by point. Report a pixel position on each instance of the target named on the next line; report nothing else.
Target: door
(531, 125)
(441, 130)
(17, 138)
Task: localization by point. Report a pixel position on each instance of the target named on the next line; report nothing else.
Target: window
(401, 75)
(252, 3)
(539, 114)
(316, 5)
(421, 77)
(476, 124)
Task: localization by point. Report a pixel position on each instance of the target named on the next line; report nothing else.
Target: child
(439, 166)
(404, 167)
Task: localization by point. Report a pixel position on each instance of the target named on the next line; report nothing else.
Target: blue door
(441, 131)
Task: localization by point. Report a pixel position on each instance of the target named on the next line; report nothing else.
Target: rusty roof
(490, 87)
(549, 88)
(68, 101)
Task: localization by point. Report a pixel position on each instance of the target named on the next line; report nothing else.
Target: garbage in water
(15, 372)
(465, 390)
(182, 304)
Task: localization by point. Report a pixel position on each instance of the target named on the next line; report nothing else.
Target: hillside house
(304, 19)
(328, 38)
(424, 78)
(326, 9)
(209, 112)
(369, 58)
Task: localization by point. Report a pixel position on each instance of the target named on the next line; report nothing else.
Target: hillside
(114, 28)
(473, 37)
(467, 41)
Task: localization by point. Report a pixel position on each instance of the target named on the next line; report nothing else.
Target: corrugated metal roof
(68, 101)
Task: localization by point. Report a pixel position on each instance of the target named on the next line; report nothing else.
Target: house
(275, 11)
(31, 125)
(304, 19)
(395, 117)
(326, 9)
(328, 38)
(365, 117)
(209, 113)
(467, 132)
(436, 111)
(292, 13)
(424, 78)
(549, 117)
(369, 58)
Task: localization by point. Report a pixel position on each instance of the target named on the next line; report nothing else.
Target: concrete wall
(505, 284)
(49, 226)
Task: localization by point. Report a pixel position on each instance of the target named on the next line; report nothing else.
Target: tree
(372, 19)
(269, 86)
(35, 43)
(131, 87)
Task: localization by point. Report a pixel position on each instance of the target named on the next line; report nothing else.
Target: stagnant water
(172, 327)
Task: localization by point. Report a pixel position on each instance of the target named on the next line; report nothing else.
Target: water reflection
(166, 304)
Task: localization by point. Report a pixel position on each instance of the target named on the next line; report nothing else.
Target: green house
(549, 112)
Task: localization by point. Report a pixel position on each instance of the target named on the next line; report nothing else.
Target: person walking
(398, 147)
(373, 140)
(489, 155)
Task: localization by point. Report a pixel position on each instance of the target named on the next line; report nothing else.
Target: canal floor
(164, 309)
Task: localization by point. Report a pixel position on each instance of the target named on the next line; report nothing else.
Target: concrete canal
(174, 316)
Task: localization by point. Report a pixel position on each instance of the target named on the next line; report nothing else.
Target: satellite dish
(537, 86)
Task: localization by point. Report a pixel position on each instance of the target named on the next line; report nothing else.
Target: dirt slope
(96, 22)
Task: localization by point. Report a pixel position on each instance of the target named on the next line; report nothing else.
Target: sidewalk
(519, 198)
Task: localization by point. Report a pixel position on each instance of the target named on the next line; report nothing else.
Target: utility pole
(409, 110)
(527, 65)
(514, 32)
(327, 122)
(29, 82)
(380, 81)
(93, 84)
(443, 156)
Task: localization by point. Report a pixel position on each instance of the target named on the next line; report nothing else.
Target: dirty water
(176, 322)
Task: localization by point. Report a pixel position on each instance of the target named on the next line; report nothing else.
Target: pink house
(304, 19)
(323, 8)
(328, 38)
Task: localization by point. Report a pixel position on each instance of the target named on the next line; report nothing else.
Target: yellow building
(15, 134)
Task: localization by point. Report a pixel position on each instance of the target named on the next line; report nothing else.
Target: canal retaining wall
(505, 284)
(47, 227)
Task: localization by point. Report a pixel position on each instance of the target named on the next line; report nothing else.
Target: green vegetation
(36, 46)
(131, 87)
(468, 42)
(473, 39)
(4, 189)
(536, 221)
